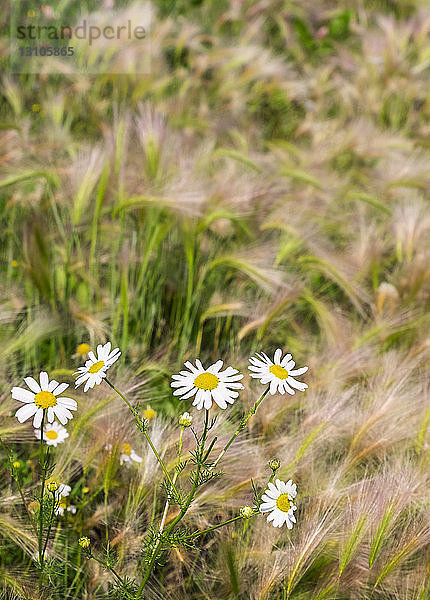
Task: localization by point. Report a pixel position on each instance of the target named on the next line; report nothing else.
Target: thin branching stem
(184, 507)
(18, 485)
(241, 426)
(51, 520)
(175, 476)
(198, 533)
(43, 463)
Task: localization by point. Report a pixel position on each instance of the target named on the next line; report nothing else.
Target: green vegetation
(265, 185)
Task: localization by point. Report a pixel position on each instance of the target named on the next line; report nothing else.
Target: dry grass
(259, 188)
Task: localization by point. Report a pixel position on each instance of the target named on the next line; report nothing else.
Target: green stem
(18, 485)
(51, 519)
(106, 492)
(175, 476)
(242, 425)
(198, 533)
(116, 575)
(43, 465)
(148, 439)
(108, 567)
(184, 508)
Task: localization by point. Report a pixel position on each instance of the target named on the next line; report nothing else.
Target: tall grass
(265, 185)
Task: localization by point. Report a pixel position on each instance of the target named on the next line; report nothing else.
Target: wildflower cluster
(44, 402)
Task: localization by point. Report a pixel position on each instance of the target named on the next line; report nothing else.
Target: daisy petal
(32, 384)
(38, 418)
(22, 395)
(298, 385)
(68, 403)
(44, 381)
(60, 389)
(52, 385)
(25, 412)
(277, 357)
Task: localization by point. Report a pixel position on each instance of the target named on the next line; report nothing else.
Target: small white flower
(60, 494)
(53, 434)
(185, 420)
(278, 501)
(208, 384)
(128, 455)
(62, 489)
(279, 372)
(96, 366)
(45, 396)
(62, 506)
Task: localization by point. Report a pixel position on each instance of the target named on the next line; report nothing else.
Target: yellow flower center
(126, 449)
(51, 434)
(206, 381)
(52, 480)
(279, 371)
(83, 349)
(283, 502)
(45, 400)
(95, 368)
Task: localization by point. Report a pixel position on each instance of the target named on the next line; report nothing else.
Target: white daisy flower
(278, 500)
(128, 455)
(53, 434)
(96, 366)
(208, 384)
(62, 490)
(279, 373)
(43, 396)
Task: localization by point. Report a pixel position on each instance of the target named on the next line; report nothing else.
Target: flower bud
(53, 486)
(246, 512)
(274, 464)
(149, 413)
(83, 349)
(185, 420)
(33, 506)
(84, 542)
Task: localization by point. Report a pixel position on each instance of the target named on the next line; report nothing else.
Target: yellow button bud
(246, 512)
(84, 542)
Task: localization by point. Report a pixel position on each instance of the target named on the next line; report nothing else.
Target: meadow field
(265, 185)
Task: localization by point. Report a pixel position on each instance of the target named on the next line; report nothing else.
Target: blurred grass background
(265, 185)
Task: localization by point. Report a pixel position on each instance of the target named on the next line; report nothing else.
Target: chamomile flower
(208, 384)
(62, 490)
(45, 396)
(128, 455)
(52, 434)
(278, 501)
(96, 366)
(279, 373)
